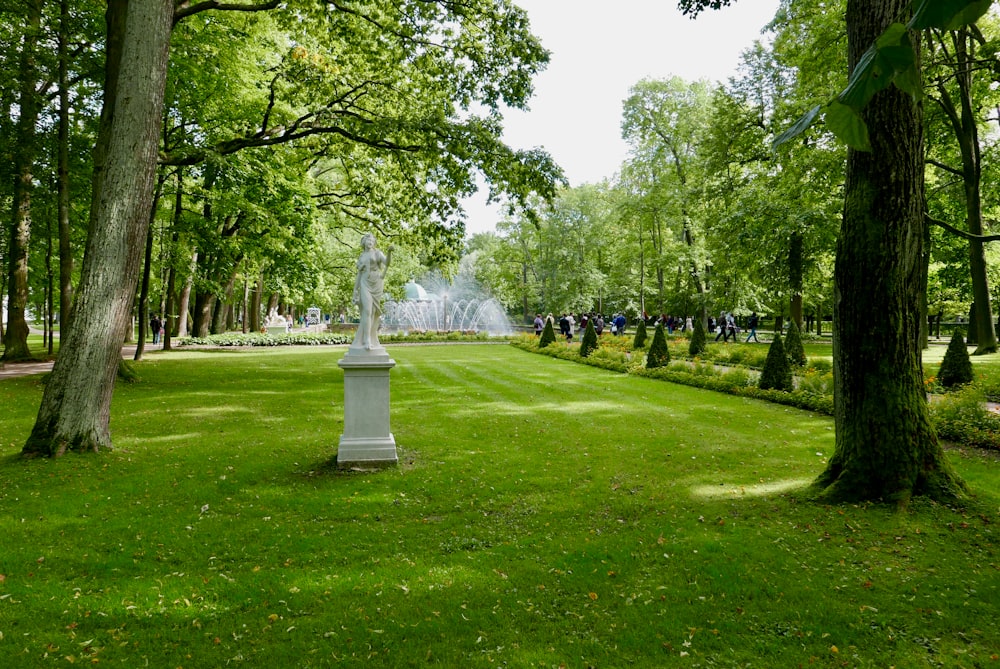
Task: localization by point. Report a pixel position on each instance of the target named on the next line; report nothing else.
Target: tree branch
(946, 168)
(281, 136)
(961, 233)
(184, 8)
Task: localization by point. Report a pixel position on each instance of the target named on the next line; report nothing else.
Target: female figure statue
(368, 286)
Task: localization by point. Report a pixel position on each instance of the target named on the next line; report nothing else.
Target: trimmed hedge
(589, 343)
(793, 345)
(956, 368)
(548, 334)
(777, 372)
(699, 340)
(659, 354)
(639, 340)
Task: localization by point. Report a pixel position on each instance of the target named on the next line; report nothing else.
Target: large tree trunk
(972, 178)
(16, 337)
(169, 318)
(140, 347)
(184, 303)
(886, 447)
(204, 304)
(221, 310)
(147, 269)
(255, 304)
(963, 118)
(76, 406)
(65, 249)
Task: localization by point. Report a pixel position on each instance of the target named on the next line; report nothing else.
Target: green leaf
(908, 81)
(947, 14)
(800, 127)
(870, 76)
(846, 123)
(895, 35)
(890, 57)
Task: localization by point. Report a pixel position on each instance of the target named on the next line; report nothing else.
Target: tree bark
(76, 405)
(184, 303)
(972, 179)
(147, 268)
(16, 337)
(886, 447)
(140, 346)
(255, 304)
(65, 249)
(220, 310)
(964, 124)
(204, 304)
(169, 319)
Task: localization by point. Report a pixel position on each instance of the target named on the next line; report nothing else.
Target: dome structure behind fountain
(455, 307)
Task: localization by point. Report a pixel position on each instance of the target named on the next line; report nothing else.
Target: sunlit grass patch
(543, 513)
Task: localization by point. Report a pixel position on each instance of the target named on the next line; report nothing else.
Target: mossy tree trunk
(886, 447)
(76, 406)
(25, 150)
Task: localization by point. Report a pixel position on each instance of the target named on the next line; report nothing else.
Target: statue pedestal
(367, 441)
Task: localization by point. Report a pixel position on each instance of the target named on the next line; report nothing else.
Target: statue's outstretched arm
(388, 258)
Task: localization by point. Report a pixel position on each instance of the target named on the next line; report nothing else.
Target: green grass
(543, 514)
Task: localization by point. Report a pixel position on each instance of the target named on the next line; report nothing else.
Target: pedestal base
(366, 452)
(367, 440)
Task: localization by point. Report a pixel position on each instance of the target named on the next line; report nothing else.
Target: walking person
(620, 324)
(539, 325)
(723, 328)
(752, 326)
(156, 327)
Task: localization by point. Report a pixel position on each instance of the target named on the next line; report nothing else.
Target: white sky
(599, 50)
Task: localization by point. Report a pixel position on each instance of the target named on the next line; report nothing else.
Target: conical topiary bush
(793, 345)
(698, 339)
(589, 343)
(956, 368)
(640, 335)
(548, 334)
(777, 372)
(659, 354)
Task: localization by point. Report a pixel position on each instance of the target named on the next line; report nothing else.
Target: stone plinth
(367, 441)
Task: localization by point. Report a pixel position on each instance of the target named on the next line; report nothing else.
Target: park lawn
(543, 514)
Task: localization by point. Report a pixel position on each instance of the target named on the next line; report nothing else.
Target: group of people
(568, 324)
(725, 325)
(673, 323)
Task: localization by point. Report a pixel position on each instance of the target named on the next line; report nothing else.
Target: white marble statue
(275, 322)
(368, 288)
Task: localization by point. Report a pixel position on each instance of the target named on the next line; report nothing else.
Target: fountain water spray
(457, 306)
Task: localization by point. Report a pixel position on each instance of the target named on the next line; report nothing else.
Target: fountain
(454, 307)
